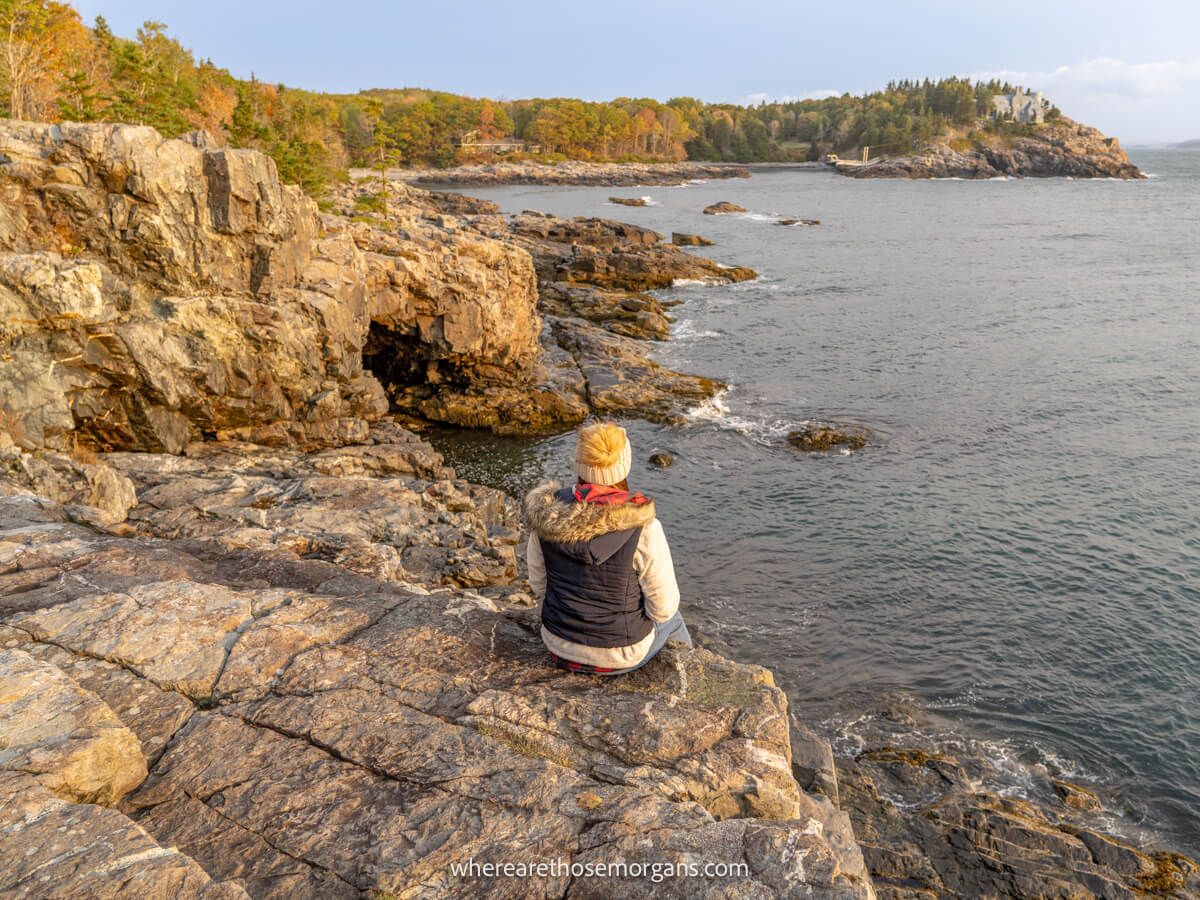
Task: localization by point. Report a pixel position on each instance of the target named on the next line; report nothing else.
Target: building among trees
(1028, 109)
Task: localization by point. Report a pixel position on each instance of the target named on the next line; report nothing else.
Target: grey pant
(673, 629)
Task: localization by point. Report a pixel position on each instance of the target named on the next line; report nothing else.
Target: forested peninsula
(57, 68)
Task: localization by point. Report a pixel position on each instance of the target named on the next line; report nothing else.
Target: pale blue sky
(1131, 69)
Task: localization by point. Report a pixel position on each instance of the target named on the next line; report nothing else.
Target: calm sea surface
(1019, 550)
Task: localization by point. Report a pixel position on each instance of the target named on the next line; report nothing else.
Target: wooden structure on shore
(832, 159)
(472, 142)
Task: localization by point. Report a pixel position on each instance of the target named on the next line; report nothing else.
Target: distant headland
(950, 127)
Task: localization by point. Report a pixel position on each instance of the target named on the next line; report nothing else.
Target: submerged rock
(1076, 796)
(722, 208)
(629, 201)
(819, 439)
(798, 222)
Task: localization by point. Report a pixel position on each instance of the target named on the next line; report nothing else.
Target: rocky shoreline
(1061, 150)
(568, 172)
(257, 639)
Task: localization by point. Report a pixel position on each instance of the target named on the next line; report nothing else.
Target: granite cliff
(1063, 148)
(159, 291)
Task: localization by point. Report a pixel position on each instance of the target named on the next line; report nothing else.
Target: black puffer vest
(593, 595)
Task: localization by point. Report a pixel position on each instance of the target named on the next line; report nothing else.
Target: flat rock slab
(54, 848)
(337, 735)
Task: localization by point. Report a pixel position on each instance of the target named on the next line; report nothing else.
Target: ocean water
(1018, 550)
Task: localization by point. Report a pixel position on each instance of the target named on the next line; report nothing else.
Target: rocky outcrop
(314, 729)
(1062, 148)
(629, 201)
(682, 239)
(90, 493)
(568, 172)
(156, 292)
(612, 255)
(593, 282)
(929, 828)
(723, 208)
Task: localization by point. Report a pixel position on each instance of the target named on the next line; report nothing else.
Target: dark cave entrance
(398, 359)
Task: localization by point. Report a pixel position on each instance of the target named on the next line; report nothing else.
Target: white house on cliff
(1028, 109)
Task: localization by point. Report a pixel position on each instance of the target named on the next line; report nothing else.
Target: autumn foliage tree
(43, 47)
(53, 67)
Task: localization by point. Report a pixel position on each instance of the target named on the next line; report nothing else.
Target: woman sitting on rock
(600, 564)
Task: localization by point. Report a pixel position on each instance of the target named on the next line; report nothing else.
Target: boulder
(91, 492)
(823, 438)
(681, 239)
(629, 201)
(724, 207)
(1076, 796)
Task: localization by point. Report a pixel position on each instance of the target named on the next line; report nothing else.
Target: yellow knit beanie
(603, 455)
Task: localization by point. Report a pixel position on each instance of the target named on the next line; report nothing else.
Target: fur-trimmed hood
(554, 520)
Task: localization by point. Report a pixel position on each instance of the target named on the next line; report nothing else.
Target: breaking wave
(715, 413)
(686, 331)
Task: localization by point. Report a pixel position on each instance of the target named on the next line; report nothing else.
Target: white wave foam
(687, 282)
(686, 331)
(715, 412)
(758, 217)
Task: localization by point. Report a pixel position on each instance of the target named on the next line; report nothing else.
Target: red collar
(604, 494)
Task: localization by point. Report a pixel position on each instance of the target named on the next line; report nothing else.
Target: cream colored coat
(554, 520)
